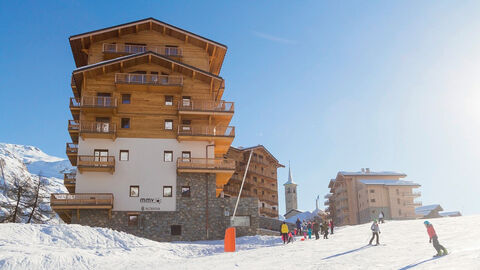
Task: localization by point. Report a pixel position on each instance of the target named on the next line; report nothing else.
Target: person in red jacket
(433, 237)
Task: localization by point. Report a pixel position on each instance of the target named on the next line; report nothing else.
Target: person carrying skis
(316, 228)
(433, 237)
(375, 231)
(284, 231)
(380, 217)
(331, 226)
(299, 226)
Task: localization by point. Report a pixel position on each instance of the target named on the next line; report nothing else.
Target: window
(263, 192)
(274, 208)
(186, 156)
(372, 191)
(186, 101)
(125, 122)
(372, 200)
(398, 201)
(185, 191)
(255, 191)
(125, 98)
(263, 181)
(168, 124)
(263, 204)
(168, 100)
(294, 190)
(171, 50)
(132, 220)
(134, 191)
(124, 155)
(398, 192)
(100, 155)
(168, 156)
(167, 191)
(176, 229)
(186, 125)
(254, 179)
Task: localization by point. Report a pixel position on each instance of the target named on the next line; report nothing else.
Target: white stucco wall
(144, 168)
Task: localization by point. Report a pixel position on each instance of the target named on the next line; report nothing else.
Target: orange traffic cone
(229, 242)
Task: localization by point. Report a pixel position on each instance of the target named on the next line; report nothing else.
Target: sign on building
(240, 221)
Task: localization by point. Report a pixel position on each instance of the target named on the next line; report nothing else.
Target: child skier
(375, 231)
(290, 237)
(309, 227)
(433, 237)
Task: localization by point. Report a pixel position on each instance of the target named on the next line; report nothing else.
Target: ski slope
(404, 245)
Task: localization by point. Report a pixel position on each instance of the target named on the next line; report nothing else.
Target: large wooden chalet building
(150, 132)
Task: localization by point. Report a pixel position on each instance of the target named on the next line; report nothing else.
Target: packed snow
(404, 245)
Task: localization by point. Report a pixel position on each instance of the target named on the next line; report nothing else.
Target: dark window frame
(167, 101)
(165, 124)
(171, 191)
(186, 195)
(133, 223)
(165, 155)
(127, 101)
(128, 124)
(138, 191)
(120, 155)
(176, 229)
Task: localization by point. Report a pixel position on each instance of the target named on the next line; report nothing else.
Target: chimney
(367, 170)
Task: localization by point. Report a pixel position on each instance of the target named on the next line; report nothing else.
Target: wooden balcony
(205, 165)
(75, 108)
(74, 129)
(268, 199)
(133, 81)
(96, 163)
(268, 212)
(97, 104)
(414, 203)
(69, 181)
(64, 203)
(72, 152)
(412, 194)
(233, 191)
(207, 107)
(114, 50)
(101, 130)
(222, 136)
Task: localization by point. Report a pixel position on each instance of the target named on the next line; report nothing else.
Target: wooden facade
(261, 180)
(149, 79)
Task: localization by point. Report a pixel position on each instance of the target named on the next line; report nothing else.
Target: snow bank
(404, 246)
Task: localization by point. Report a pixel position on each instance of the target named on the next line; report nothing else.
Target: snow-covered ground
(404, 245)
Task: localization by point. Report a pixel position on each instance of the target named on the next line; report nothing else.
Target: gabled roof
(258, 146)
(385, 173)
(83, 41)
(387, 182)
(427, 209)
(148, 56)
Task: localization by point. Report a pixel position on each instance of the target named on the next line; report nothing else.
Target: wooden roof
(79, 43)
(216, 82)
(265, 150)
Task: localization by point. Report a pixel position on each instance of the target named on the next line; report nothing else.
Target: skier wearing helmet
(433, 237)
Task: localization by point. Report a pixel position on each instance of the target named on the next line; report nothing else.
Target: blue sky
(330, 86)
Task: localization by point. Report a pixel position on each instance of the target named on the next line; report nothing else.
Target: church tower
(290, 193)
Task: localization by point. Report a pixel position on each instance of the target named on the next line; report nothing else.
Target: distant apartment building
(261, 179)
(149, 134)
(359, 197)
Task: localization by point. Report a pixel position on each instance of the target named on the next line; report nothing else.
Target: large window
(168, 124)
(134, 191)
(168, 156)
(167, 191)
(186, 156)
(124, 155)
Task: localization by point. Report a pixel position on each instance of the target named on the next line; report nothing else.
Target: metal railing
(69, 178)
(205, 163)
(96, 161)
(132, 49)
(98, 102)
(72, 148)
(97, 127)
(192, 130)
(73, 125)
(206, 106)
(76, 199)
(148, 79)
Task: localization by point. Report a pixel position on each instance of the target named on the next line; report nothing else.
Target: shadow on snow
(416, 264)
(346, 252)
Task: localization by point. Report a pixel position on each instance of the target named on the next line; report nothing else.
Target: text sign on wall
(150, 204)
(240, 221)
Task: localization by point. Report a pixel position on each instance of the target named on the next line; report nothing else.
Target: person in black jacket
(299, 226)
(316, 229)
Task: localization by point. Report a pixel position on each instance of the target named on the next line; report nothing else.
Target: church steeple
(290, 179)
(290, 192)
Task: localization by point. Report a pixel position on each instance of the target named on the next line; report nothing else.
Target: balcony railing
(98, 102)
(206, 106)
(72, 149)
(131, 49)
(96, 200)
(206, 163)
(69, 178)
(96, 161)
(148, 79)
(209, 131)
(73, 125)
(268, 211)
(234, 191)
(74, 102)
(98, 127)
(414, 203)
(412, 194)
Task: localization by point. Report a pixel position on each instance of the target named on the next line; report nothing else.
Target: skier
(331, 226)
(309, 227)
(433, 237)
(325, 231)
(381, 216)
(375, 231)
(290, 237)
(299, 226)
(284, 231)
(316, 228)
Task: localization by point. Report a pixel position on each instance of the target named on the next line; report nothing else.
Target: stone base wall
(202, 216)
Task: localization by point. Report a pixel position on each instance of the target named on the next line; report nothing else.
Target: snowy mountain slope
(404, 246)
(25, 162)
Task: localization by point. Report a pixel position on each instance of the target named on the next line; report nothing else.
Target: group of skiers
(307, 229)
(316, 226)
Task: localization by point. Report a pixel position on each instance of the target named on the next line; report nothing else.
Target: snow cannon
(229, 241)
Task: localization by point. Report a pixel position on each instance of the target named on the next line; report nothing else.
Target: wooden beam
(149, 58)
(150, 26)
(103, 70)
(172, 66)
(119, 32)
(121, 67)
(109, 213)
(164, 30)
(78, 214)
(193, 75)
(91, 40)
(186, 39)
(83, 43)
(206, 47)
(136, 28)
